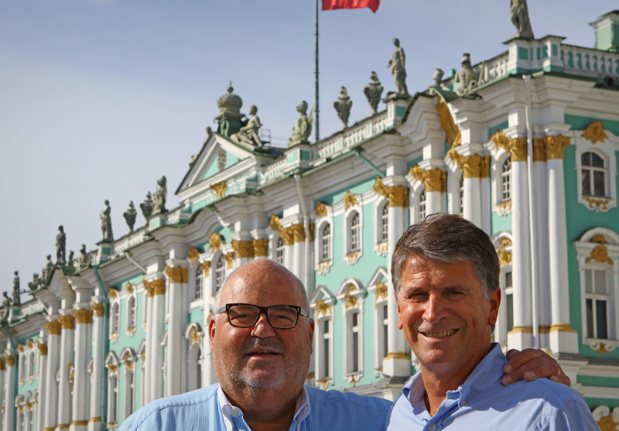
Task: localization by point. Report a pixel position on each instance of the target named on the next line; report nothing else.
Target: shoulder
(333, 409)
(166, 410)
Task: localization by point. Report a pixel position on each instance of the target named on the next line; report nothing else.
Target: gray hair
(448, 238)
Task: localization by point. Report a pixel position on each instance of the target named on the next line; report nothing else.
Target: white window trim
(584, 250)
(114, 335)
(129, 328)
(501, 207)
(213, 273)
(351, 295)
(321, 313)
(199, 361)
(606, 150)
(379, 341)
(351, 257)
(381, 246)
(323, 267)
(193, 278)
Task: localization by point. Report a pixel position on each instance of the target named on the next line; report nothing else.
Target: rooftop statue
(302, 126)
(34, 284)
(71, 261)
(6, 308)
(147, 206)
(249, 131)
(398, 68)
(106, 223)
(130, 216)
(160, 196)
(82, 261)
(438, 78)
(467, 77)
(342, 105)
(61, 241)
(520, 17)
(46, 273)
(16, 290)
(373, 91)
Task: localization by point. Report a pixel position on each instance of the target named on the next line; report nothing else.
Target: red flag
(350, 4)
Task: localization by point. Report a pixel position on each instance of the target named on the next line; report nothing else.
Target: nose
(262, 328)
(434, 309)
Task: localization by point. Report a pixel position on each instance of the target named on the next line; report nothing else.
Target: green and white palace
(525, 145)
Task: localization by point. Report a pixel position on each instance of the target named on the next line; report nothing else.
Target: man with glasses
(261, 338)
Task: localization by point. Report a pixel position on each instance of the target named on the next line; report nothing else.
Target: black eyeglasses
(278, 316)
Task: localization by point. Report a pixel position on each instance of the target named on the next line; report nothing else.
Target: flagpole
(316, 106)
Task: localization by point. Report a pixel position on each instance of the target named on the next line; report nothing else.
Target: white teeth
(440, 334)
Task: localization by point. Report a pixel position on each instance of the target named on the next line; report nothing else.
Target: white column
(562, 337)
(158, 319)
(150, 337)
(2, 382)
(177, 278)
(42, 401)
(83, 342)
(9, 384)
(521, 336)
(53, 361)
(299, 250)
(397, 361)
(96, 384)
(67, 322)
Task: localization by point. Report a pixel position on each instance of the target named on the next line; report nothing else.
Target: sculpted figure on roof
(342, 105)
(373, 91)
(467, 77)
(249, 131)
(398, 69)
(520, 17)
(302, 126)
(160, 196)
(106, 223)
(130, 216)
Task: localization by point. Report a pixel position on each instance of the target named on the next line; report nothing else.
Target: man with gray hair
(446, 279)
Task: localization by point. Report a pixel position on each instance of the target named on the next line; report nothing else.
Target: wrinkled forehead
(263, 289)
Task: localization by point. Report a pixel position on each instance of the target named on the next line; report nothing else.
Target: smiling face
(261, 357)
(445, 316)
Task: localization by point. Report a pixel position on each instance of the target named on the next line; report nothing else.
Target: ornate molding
(53, 327)
(595, 132)
(113, 293)
(193, 254)
(195, 337)
(473, 166)
(20, 347)
(351, 300)
(397, 195)
(159, 286)
(177, 274)
(97, 307)
(322, 308)
(597, 204)
(350, 200)
(382, 248)
(2, 364)
(320, 209)
(606, 420)
(600, 252)
(500, 140)
(243, 249)
(298, 232)
(452, 132)
(83, 316)
(275, 224)
(540, 153)
(288, 235)
(505, 257)
(261, 247)
(129, 287)
(380, 187)
(206, 267)
(504, 207)
(434, 180)
(229, 258)
(220, 189)
(381, 292)
(215, 240)
(518, 148)
(398, 355)
(555, 146)
(10, 360)
(352, 258)
(601, 347)
(324, 267)
(67, 322)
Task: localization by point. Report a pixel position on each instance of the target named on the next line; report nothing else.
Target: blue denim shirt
(483, 403)
(200, 410)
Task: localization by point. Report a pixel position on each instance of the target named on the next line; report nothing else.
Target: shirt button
(463, 402)
(432, 427)
(236, 413)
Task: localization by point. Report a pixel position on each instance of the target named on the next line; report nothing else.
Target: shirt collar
(301, 411)
(486, 374)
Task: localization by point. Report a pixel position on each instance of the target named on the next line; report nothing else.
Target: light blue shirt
(483, 403)
(200, 410)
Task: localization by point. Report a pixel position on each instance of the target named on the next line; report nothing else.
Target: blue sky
(99, 98)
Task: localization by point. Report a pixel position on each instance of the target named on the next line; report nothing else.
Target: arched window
(597, 299)
(355, 233)
(506, 179)
(131, 313)
(31, 365)
(593, 175)
(199, 282)
(115, 319)
(220, 273)
(279, 250)
(461, 190)
(422, 204)
(384, 223)
(325, 243)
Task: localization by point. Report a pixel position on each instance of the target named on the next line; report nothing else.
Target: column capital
(434, 180)
(243, 249)
(555, 146)
(176, 275)
(397, 195)
(67, 321)
(83, 316)
(53, 327)
(261, 247)
(473, 166)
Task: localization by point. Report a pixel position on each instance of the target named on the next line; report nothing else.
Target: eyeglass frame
(262, 310)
